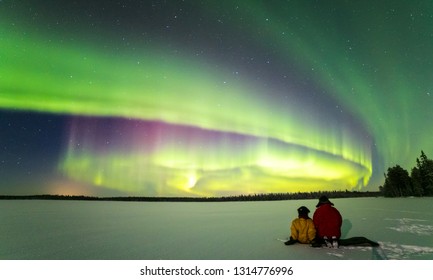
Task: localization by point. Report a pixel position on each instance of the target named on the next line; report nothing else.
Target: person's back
(327, 220)
(302, 229)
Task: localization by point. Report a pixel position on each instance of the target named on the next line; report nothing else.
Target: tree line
(399, 183)
(250, 197)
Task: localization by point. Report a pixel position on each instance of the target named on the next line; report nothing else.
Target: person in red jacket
(327, 220)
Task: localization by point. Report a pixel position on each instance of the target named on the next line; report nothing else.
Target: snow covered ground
(85, 230)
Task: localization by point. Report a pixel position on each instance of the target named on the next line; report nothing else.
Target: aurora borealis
(211, 98)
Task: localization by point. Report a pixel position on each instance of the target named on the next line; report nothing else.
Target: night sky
(211, 98)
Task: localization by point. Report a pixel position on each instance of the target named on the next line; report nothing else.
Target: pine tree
(416, 182)
(397, 182)
(422, 175)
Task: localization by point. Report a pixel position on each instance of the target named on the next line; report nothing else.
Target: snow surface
(49, 230)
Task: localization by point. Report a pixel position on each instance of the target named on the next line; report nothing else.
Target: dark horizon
(249, 197)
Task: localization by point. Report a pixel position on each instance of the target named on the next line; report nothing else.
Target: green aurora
(374, 73)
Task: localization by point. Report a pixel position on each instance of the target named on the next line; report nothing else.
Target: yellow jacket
(303, 230)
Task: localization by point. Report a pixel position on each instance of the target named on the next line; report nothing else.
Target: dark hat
(303, 210)
(324, 200)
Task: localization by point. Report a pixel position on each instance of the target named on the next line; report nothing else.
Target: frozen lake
(99, 230)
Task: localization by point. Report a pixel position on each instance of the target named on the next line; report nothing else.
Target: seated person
(327, 220)
(302, 228)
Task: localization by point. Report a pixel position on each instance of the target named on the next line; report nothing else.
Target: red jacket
(327, 220)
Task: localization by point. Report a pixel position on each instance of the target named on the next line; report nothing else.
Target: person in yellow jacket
(302, 229)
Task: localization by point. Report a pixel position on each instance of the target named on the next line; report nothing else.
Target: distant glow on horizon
(159, 159)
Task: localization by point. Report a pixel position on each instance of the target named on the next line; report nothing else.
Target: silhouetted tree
(397, 182)
(422, 175)
(416, 182)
